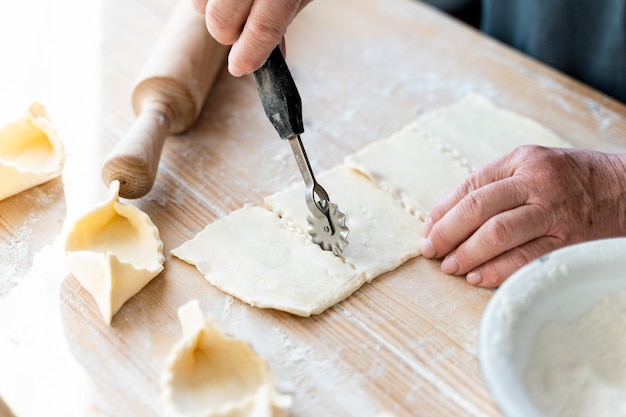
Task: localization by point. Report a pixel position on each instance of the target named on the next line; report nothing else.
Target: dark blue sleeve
(583, 38)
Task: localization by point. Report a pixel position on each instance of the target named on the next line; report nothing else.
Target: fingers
(484, 229)
(199, 5)
(538, 200)
(470, 213)
(451, 200)
(494, 272)
(225, 19)
(252, 27)
(490, 173)
(264, 29)
(498, 235)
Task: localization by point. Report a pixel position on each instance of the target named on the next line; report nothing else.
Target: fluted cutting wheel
(334, 238)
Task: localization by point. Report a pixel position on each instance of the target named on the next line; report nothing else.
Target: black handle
(279, 96)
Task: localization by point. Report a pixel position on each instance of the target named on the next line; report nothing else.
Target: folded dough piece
(114, 250)
(210, 374)
(482, 132)
(31, 152)
(412, 167)
(382, 235)
(255, 256)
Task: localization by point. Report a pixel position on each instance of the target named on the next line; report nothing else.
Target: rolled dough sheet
(482, 132)
(114, 250)
(269, 261)
(382, 234)
(412, 167)
(255, 256)
(385, 190)
(211, 374)
(31, 152)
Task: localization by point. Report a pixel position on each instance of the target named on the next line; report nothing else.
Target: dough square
(267, 259)
(482, 132)
(412, 167)
(383, 235)
(255, 256)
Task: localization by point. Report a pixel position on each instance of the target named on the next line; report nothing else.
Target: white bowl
(562, 285)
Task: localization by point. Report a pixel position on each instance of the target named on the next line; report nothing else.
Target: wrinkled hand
(524, 205)
(252, 27)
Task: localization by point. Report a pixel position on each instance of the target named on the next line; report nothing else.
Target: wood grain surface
(405, 344)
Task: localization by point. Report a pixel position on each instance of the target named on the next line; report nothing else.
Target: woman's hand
(524, 205)
(252, 27)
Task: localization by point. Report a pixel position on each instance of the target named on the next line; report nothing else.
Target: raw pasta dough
(209, 374)
(114, 251)
(385, 190)
(434, 169)
(269, 261)
(30, 152)
(253, 255)
(382, 234)
(481, 132)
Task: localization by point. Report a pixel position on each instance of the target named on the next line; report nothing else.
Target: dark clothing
(583, 38)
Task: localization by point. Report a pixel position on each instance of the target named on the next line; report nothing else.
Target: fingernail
(428, 250)
(474, 277)
(235, 71)
(449, 265)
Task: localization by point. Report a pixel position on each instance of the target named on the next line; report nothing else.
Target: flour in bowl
(579, 368)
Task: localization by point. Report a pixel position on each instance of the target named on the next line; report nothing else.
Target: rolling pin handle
(135, 159)
(173, 86)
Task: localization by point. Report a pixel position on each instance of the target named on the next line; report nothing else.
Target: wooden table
(404, 344)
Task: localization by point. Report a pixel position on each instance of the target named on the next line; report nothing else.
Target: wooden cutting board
(405, 344)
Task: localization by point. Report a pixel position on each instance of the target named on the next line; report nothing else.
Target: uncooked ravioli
(31, 152)
(210, 374)
(114, 250)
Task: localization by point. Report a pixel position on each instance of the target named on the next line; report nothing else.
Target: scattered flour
(579, 368)
(15, 258)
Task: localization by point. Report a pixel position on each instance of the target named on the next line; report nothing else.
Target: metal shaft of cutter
(312, 187)
(303, 163)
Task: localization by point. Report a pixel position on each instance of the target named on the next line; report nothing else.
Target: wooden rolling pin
(172, 88)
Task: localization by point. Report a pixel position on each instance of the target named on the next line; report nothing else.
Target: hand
(252, 27)
(524, 205)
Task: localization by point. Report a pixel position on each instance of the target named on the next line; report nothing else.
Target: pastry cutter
(283, 107)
